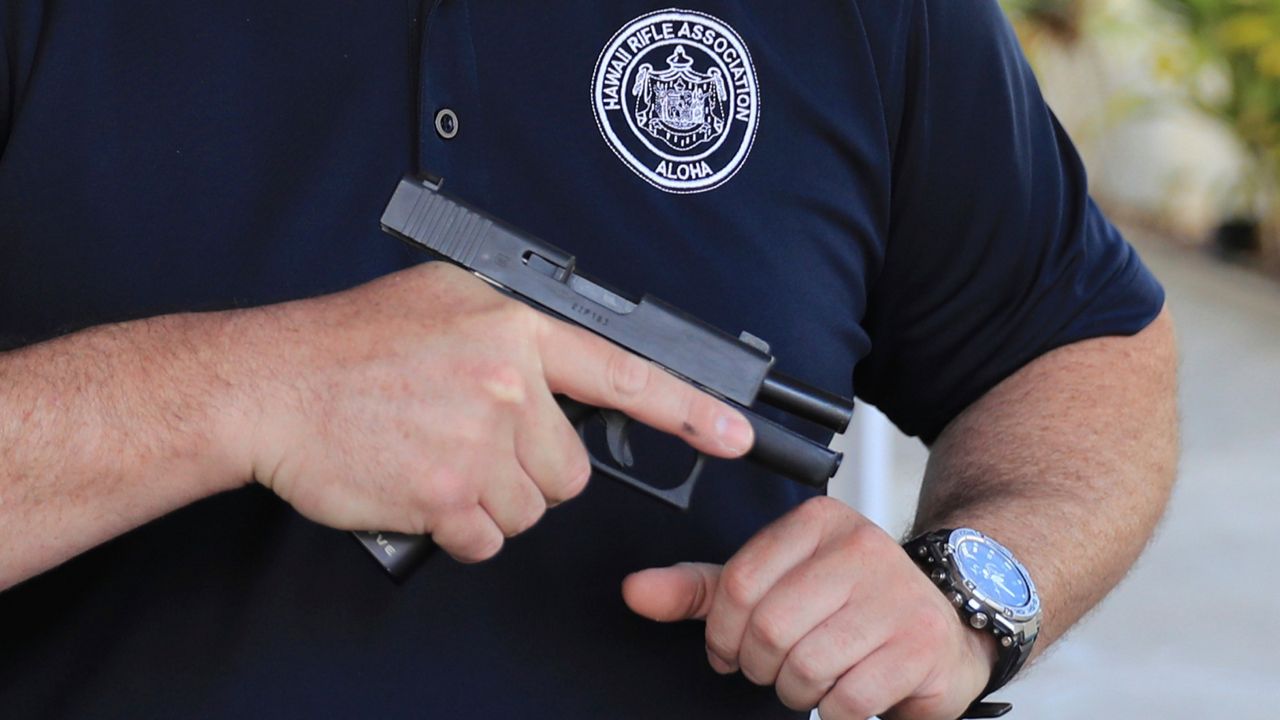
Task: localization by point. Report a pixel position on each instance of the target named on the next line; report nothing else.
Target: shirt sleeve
(996, 254)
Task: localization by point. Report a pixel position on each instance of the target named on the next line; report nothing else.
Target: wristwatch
(992, 592)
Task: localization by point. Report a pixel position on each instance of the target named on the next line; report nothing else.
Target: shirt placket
(450, 116)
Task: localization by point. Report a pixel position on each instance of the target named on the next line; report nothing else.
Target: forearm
(106, 429)
(1069, 463)
(421, 402)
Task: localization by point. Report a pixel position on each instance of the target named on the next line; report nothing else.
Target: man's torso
(165, 157)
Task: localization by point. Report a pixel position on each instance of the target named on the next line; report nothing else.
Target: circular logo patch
(675, 96)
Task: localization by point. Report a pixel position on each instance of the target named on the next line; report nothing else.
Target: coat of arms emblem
(676, 98)
(680, 106)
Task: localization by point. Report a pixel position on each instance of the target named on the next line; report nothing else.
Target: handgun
(739, 371)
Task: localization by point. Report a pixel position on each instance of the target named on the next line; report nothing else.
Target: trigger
(615, 432)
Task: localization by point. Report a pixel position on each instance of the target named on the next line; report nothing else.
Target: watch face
(992, 573)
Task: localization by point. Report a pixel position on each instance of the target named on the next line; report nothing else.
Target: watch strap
(1009, 661)
(982, 709)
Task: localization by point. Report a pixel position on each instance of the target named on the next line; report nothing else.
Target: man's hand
(419, 403)
(423, 403)
(825, 606)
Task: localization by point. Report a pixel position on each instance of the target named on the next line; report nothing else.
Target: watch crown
(978, 620)
(922, 551)
(938, 575)
(957, 599)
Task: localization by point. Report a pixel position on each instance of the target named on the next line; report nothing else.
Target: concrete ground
(1194, 632)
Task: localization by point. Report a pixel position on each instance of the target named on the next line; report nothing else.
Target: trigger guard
(616, 425)
(678, 496)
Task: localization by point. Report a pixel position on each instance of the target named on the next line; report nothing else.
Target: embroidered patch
(676, 98)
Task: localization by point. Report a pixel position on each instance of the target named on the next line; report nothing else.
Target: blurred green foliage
(1219, 56)
(1242, 39)
(1059, 18)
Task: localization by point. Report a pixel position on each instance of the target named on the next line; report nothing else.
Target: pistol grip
(399, 554)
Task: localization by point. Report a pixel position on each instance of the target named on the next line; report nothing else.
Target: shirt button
(446, 123)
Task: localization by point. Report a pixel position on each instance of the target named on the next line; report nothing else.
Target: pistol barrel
(811, 403)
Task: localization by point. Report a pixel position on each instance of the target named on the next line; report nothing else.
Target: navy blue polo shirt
(876, 188)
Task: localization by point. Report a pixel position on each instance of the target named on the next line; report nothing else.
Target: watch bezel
(1013, 614)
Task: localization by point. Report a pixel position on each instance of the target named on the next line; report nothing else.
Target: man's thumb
(679, 592)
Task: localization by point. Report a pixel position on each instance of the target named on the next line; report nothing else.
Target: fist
(827, 608)
(423, 403)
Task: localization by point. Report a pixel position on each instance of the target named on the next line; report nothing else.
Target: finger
(512, 500)
(593, 370)
(679, 592)
(798, 603)
(550, 451)
(754, 570)
(821, 657)
(468, 535)
(884, 679)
